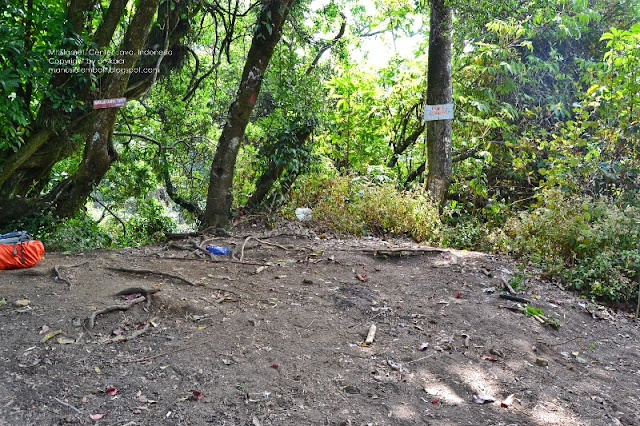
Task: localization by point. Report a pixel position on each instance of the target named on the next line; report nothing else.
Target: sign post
(438, 112)
(109, 103)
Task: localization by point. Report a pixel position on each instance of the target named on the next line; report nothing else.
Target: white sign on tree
(438, 112)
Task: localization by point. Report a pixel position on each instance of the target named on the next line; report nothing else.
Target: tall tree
(49, 117)
(439, 91)
(273, 15)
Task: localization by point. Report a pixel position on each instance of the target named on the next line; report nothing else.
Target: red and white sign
(109, 103)
(438, 112)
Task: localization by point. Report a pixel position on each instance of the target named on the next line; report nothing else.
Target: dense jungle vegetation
(237, 108)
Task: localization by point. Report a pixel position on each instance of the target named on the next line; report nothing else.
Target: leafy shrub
(592, 244)
(79, 233)
(359, 207)
(147, 224)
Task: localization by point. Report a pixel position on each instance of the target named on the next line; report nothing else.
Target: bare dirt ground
(277, 339)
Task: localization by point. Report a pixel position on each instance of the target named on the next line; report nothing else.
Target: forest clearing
(279, 339)
(305, 212)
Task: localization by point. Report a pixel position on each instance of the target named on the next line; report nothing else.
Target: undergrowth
(357, 206)
(590, 244)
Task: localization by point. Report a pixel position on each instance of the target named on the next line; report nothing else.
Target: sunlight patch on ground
(553, 414)
(434, 387)
(479, 381)
(404, 412)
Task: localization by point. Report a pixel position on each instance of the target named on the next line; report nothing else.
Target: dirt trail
(278, 340)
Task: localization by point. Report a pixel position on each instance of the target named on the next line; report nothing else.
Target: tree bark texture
(439, 91)
(267, 34)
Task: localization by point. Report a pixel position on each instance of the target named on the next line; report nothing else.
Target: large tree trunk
(56, 135)
(439, 91)
(267, 34)
(70, 194)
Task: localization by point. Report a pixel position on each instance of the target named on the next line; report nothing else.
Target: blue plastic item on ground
(218, 250)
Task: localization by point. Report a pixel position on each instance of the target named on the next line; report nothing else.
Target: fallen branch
(197, 246)
(513, 298)
(246, 240)
(149, 271)
(92, 317)
(507, 287)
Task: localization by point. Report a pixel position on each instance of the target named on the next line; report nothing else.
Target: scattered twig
(149, 271)
(66, 404)
(139, 332)
(419, 359)
(507, 286)
(371, 335)
(246, 240)
(92, 317)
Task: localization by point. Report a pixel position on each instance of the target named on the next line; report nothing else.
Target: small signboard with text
(109, 103)
(438, 112)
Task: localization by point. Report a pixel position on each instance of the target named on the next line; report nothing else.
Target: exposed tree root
(59, 277)
(246, 240)
(149, 271)
(92, 318)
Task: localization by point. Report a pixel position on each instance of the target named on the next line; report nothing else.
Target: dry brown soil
(278, 340)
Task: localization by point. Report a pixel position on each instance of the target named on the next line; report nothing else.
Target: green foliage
(589, 243)
(530, 311)
(353, 206)
(30, 39)
(147, 224)
(79, 233)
